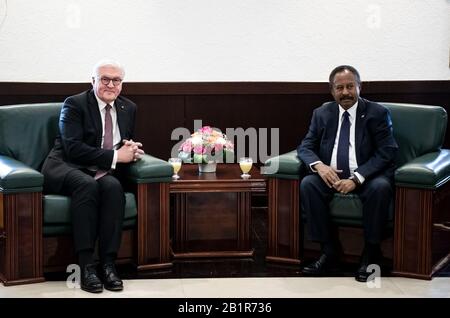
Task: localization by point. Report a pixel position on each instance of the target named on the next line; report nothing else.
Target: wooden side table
(212, 212)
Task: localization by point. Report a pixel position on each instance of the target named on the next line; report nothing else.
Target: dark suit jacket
(375, 146)
(78, 145)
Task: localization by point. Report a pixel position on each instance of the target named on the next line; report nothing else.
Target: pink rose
(229, 145)
(205, 130)
(187, 146)
(218, 147)
(198, 150)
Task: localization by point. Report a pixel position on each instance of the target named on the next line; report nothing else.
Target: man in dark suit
(349, 148)
(95, 140)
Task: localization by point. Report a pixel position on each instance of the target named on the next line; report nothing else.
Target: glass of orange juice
(176, 165)
(246, 165)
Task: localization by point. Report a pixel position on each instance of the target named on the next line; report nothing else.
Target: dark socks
(373, 252)
(373, 248)
(85, 257)
(108, 258)
(329, 249)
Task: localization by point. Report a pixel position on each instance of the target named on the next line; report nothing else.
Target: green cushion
(346, 206)
(57, 218)
(27, 132)
(418, 129)
(413, 137)
(150, 169)
(66, 229)
(421, 162)
(428, 171)
(347, 209)
(56, 229)
(285, 166)
(16, 176)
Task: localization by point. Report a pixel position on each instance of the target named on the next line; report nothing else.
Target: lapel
(121, 111)
(333, 125)
(95, 114)
(359, 128)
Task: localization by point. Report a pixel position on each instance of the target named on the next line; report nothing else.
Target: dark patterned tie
(343, 147)
(108, 138)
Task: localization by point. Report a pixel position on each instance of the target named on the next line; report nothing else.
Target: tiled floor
(252, 287)
(244, 278)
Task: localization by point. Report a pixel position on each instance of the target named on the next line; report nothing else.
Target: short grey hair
(105, 62)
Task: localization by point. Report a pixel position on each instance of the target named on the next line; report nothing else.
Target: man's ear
(93, 81)
(332, 93)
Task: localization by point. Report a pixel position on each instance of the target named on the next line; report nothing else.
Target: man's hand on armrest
(130, 151)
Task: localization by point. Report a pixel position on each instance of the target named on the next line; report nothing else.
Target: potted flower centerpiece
(206, 146)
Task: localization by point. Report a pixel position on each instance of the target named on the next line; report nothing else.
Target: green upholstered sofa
(421, 232)
(35, 228)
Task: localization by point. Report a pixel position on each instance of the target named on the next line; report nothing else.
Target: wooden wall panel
(288, 106)
(157, 116)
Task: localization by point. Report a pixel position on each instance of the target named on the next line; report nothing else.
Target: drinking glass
(246, 165)
(176, 165)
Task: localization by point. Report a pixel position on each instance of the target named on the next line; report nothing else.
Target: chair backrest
(28, 131)
(418, 129)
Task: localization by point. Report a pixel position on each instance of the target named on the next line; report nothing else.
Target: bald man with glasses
(95, 140)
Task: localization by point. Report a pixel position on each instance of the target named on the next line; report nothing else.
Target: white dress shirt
(352, 152)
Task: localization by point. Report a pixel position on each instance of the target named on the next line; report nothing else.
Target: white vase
(207, 167)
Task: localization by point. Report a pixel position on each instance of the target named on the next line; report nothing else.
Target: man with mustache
(349, 148)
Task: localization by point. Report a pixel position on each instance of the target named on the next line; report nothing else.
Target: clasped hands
(130, 151)
(330, 176)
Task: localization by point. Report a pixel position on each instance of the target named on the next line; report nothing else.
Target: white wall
(224, 40)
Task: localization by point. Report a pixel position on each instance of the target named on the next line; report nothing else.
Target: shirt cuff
(114, 162)
(360, 177)
(312, 164)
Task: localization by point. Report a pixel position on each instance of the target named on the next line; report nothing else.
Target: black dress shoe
(361, 274)
(89, 279)
(322, 266)
(111, 279)
(369, 256)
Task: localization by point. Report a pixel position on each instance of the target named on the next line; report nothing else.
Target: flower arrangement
(206, 145)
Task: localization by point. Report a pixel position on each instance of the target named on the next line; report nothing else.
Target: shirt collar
(102, 104)
(351, 111)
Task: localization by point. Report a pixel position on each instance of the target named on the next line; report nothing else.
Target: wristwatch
(355, 180)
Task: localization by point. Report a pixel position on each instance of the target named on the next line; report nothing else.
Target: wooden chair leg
(283, 223)
(421, 247)
(21, 238)
(153, 226)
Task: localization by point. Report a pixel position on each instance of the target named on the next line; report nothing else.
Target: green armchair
(420, 215)
(35, 229)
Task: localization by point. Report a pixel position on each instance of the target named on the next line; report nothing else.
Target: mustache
(347, 98)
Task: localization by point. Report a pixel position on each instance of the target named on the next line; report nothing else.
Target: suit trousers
(375, 194)
(97, 208)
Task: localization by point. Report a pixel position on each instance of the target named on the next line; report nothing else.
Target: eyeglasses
(107, 80)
